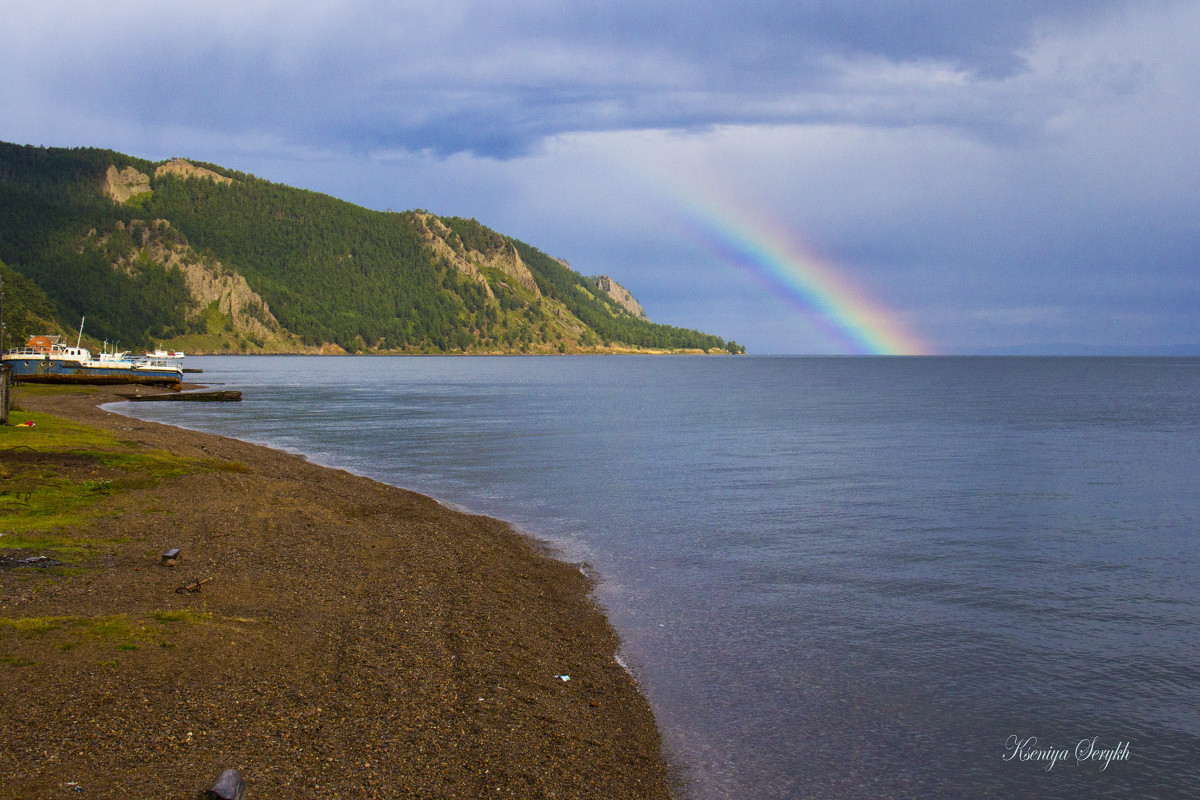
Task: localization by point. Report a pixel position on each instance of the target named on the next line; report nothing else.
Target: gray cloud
(498, 79)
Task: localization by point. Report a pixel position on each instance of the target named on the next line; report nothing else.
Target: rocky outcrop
(470, 263)
(233, 297)
(435, 233)
(208, 281)
(509, 262)
(620, 295)
(186, 170)
(123, 184)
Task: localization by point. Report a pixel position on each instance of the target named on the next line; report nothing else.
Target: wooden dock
(221, 396)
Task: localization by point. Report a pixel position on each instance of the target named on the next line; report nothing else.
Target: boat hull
(53, 370)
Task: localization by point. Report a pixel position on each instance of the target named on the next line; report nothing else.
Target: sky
(809, 177)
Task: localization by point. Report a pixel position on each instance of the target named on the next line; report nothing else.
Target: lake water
(833, 577)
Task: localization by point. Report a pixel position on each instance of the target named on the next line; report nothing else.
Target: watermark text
(1091, 751)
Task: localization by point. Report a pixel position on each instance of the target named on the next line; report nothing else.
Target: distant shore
(333, 350)
(347, 639)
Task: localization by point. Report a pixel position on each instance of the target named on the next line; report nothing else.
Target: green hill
(205, 259)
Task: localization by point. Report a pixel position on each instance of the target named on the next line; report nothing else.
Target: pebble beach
(327, 635)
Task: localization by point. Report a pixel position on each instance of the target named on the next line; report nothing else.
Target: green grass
(48, 504)
(16, 541)
(33, 626)
(52, 434)
(41, 498)
(42, 389)
(16, 661)
(116, 629)
(183, 615)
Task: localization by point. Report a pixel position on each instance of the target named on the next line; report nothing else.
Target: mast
(79, 338)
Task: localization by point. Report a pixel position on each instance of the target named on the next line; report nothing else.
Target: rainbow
(804, 280)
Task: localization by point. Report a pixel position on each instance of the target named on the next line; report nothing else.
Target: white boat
(46, 359)
(162, 358)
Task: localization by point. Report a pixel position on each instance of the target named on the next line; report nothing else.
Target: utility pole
(5, 369)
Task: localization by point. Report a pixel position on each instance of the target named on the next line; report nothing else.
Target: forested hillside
(210, 260)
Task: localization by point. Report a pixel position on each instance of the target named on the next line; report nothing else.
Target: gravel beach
(349, 640)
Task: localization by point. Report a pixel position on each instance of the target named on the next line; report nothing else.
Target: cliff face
(620, 295)
(184, 169)
(123, 184)
(472, 263)
(224, 304)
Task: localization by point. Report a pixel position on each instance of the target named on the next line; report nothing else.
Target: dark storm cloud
(498, 79)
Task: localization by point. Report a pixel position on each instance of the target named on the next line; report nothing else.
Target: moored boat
(45, 359)
(161, 358)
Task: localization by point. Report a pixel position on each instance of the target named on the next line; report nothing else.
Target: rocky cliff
(620, 295)
(472, 263)
(225, 306)
(123, 184)
(186, 170)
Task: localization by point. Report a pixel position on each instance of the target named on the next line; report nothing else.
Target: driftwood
(192, 587)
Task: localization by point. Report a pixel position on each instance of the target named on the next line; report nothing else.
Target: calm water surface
(834, 577)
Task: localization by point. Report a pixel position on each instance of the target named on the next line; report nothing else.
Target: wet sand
(355, 640)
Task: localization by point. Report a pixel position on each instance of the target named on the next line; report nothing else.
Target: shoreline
(355, 640)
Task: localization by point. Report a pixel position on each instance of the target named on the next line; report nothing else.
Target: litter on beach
(564, 678)
(192, 587)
